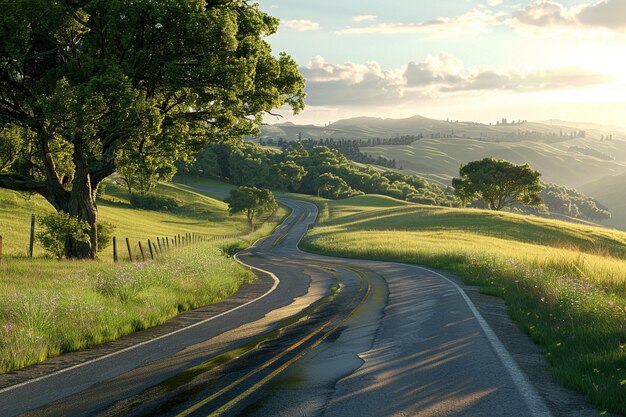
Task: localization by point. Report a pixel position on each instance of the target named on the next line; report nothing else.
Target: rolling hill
(611, 190)
(574, 154)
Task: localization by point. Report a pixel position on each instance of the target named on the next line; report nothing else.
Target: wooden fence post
(167, 240)
(143, 256)
(130, 252)
(31, 245)
(115, 249)
(0, 250)
(159, 244)
(150, 247)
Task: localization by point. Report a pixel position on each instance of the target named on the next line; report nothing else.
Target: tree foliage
(499, 183)
(303, 170)
(569, 202)
(251, 201)
(88, 87)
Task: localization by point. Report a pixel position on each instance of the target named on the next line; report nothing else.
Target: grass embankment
(48, 307)
(564, 284)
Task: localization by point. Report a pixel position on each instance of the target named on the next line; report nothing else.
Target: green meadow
(48, 307)
(564, 284)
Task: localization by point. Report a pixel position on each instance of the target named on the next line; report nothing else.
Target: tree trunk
(251, 219)
(82, 204)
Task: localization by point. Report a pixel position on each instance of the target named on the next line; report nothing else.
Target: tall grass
(568, 294)
(48, 307)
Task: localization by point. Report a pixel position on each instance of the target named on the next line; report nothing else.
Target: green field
(564, 284)
(74, 305)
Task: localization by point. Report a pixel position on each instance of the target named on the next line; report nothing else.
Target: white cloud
(473, 21)
(301, 25)
(364, 17)
(352, 84)
(606, 14)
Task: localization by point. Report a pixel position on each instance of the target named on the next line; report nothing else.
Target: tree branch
(17, 182)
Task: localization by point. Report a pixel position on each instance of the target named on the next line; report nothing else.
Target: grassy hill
(611, 190)
(48, 307)
(565, 284)
(197, 214)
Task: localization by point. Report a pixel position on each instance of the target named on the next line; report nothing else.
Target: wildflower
(158, 26)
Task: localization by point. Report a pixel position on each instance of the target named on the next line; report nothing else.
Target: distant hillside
(584, 156)
(374, 127)
(567, 153)
(611, 190)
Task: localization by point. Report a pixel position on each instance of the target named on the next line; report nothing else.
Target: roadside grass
(564, 284)
(48, 307)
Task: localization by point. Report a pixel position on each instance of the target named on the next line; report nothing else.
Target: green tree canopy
(288, 175)
(331, 186)
(251, 201)
(84, 83)
(498, 183)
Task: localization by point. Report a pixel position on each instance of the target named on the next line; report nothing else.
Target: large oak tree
(85, 84)
(498, 183)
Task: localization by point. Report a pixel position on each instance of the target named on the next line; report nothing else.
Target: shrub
(57, 227)
(152, 201)
(105, 234)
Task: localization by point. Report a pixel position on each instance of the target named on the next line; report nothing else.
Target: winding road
(314, 336)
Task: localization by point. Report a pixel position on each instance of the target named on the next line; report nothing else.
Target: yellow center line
(287, 364)
(224, 390)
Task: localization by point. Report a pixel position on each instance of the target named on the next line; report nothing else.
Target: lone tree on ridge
(251, 201)
(498, 183)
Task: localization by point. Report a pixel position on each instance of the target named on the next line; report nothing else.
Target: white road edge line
(80, 365)
(532, 399)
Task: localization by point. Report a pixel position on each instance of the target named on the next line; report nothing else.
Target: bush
(57, 227)
(153, 202)
(105, 234)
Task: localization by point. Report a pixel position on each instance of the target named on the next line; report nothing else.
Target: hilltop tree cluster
(317, 171)
(569, 202)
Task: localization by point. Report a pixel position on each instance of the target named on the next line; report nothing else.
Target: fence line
(155, 248)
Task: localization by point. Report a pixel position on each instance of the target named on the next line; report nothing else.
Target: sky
(478, 60)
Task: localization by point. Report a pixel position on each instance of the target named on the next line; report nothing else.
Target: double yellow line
(363, 278)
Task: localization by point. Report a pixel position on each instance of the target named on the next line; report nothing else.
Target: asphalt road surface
(320, 337)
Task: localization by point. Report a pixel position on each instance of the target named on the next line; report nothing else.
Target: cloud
(364, 17)
(301, 25)
(351, 84)
(539, 14)
(607, 14)
(473, 21)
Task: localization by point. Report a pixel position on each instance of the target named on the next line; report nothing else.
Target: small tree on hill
(498, 183)
(251, 201)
